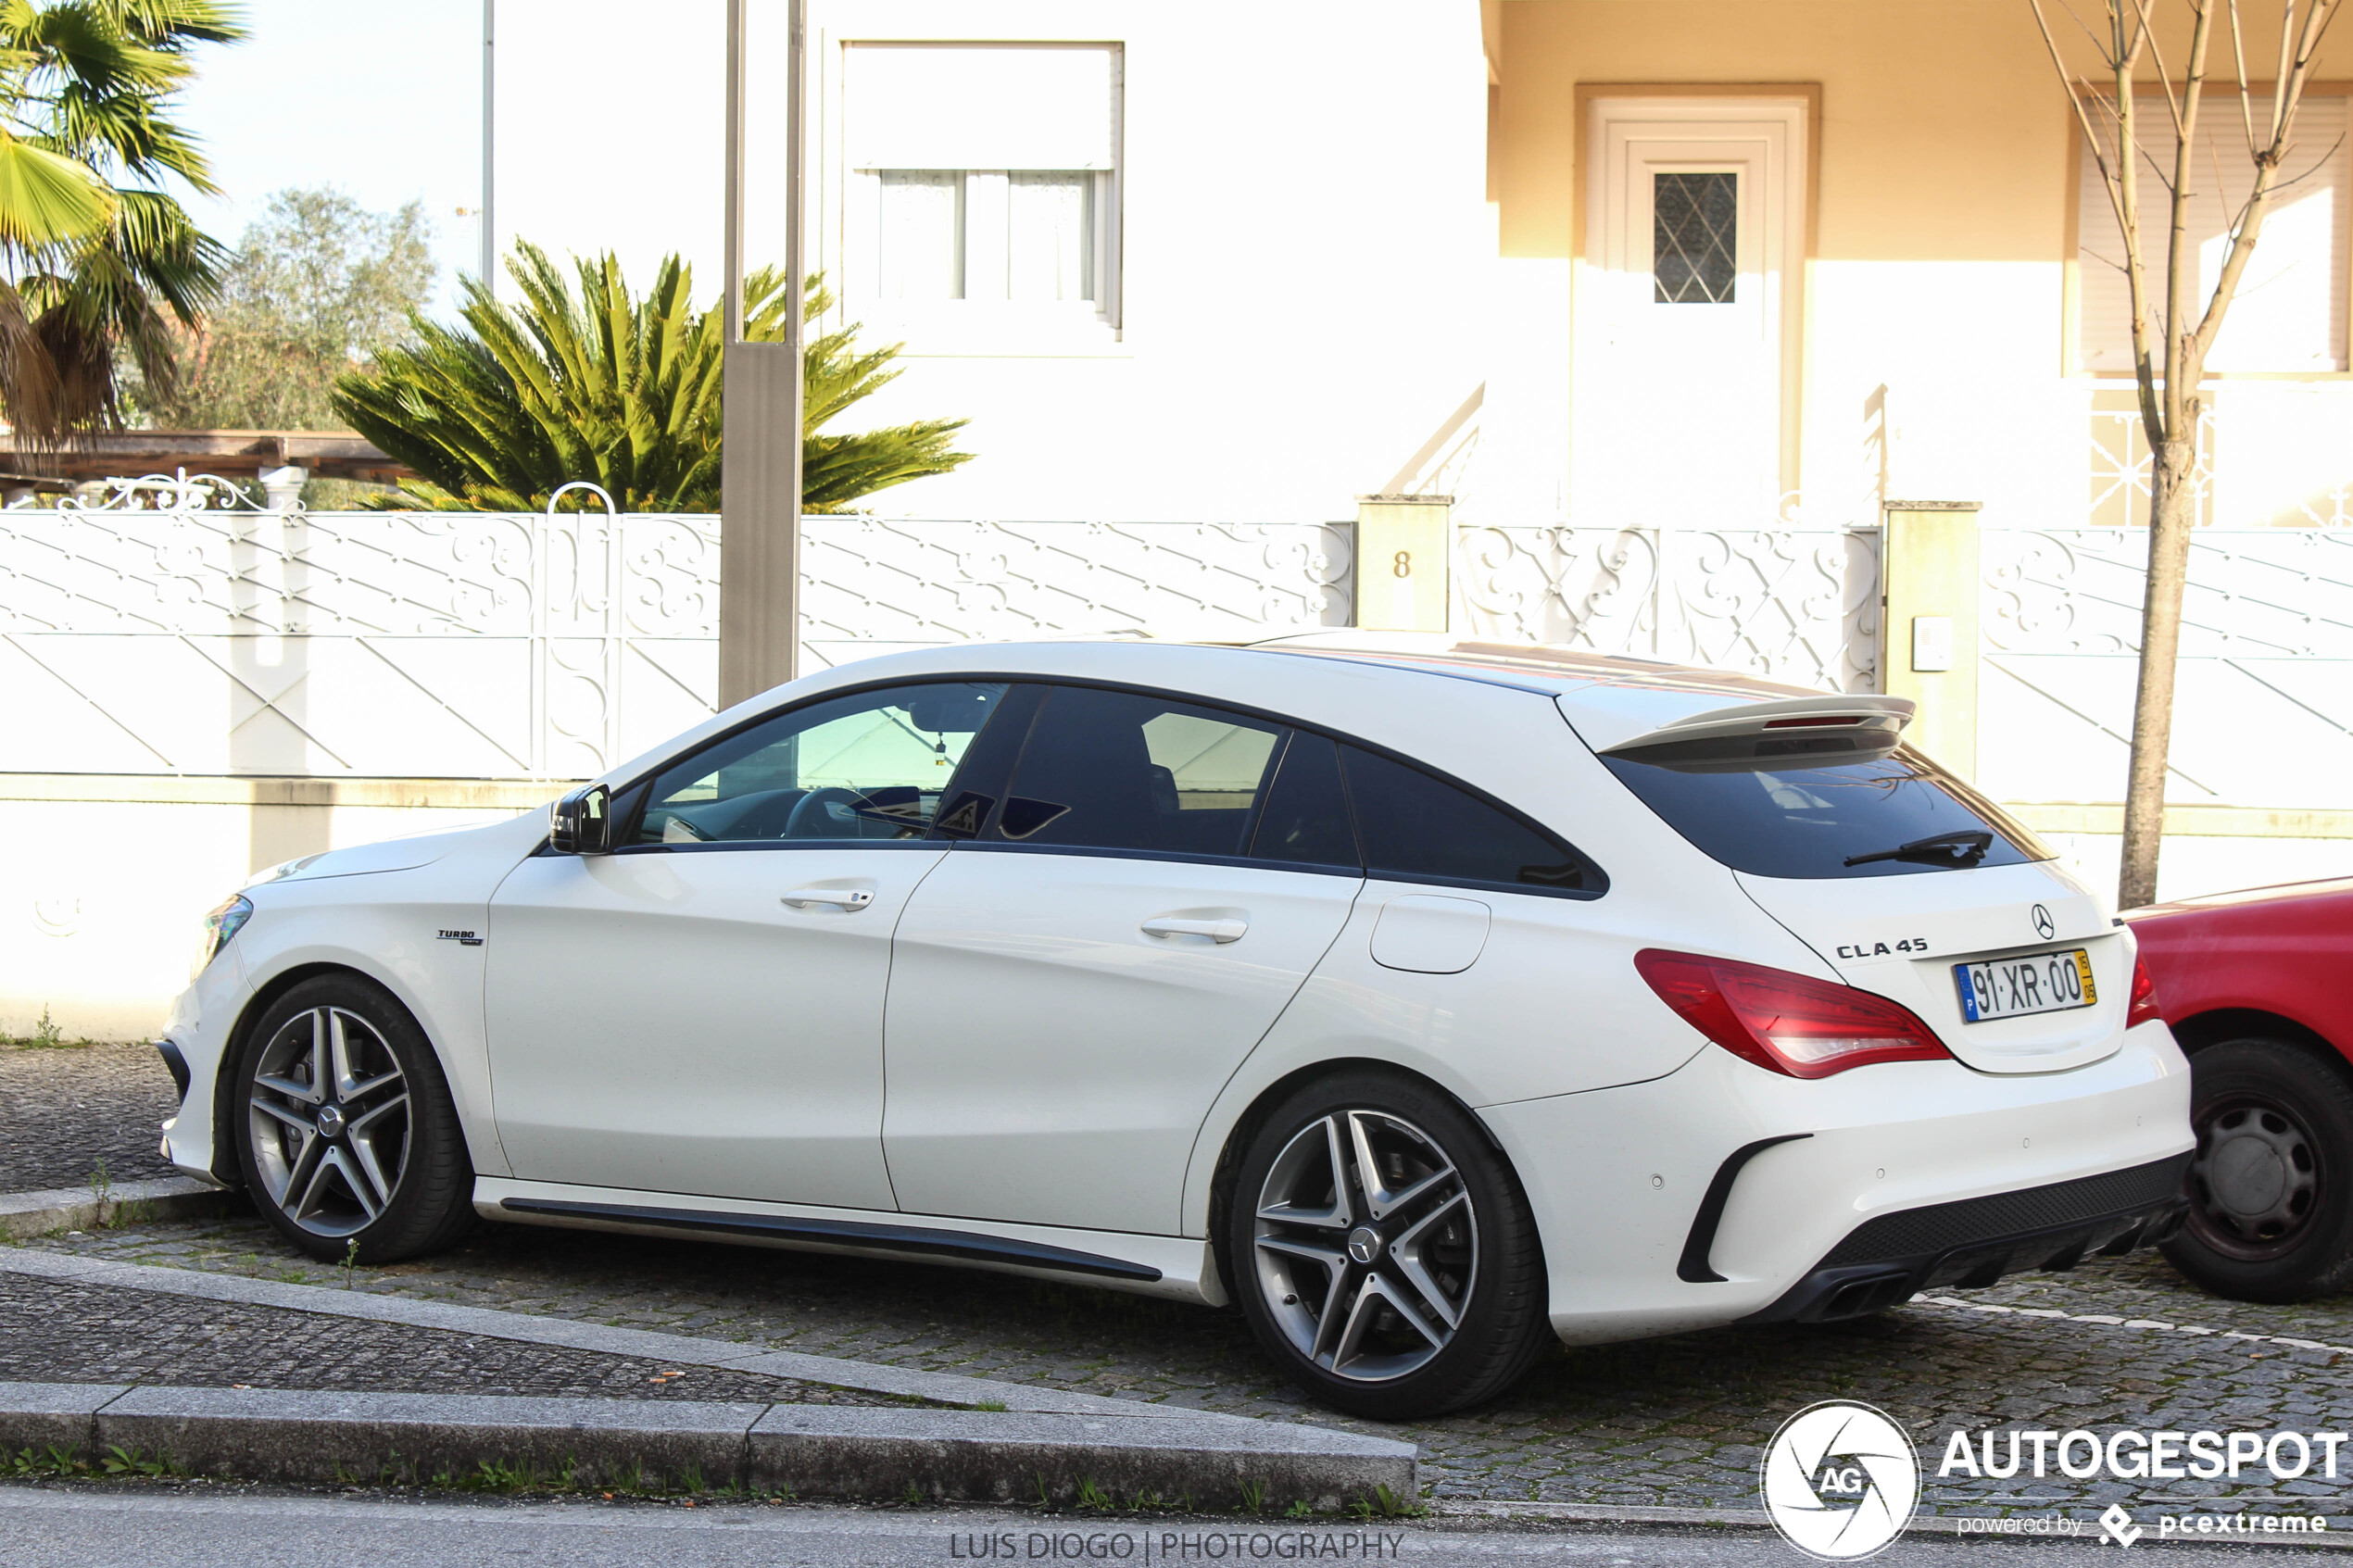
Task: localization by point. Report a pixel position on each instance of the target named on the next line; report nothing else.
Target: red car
(2258, 986)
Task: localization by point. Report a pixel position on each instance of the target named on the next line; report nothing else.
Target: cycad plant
(93, 250)
(499, 413)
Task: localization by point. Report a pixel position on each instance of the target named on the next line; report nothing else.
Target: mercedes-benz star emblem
(330, 1121)
(2044, 926)
(1364, 1244)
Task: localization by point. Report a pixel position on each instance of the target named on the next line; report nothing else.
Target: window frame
(963, 327)
(2071, 324)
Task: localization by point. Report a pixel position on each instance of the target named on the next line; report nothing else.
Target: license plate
(2015, 987)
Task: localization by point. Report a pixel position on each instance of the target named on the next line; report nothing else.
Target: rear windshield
(1894, 817)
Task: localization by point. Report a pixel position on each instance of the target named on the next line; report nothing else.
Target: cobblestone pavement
(51, 1332)
(63, 1109)
(1678, 1420)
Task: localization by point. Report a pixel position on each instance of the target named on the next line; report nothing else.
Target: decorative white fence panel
(1800, 606)
(870, 583)
(190, 638)
(2263, 713)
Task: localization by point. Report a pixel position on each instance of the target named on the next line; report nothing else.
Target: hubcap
(329, 1119)
(2256, 1181)
(1367, 1244)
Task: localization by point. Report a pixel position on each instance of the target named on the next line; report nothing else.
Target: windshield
(1898, 816)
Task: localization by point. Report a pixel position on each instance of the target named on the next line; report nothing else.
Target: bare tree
(2172, 328)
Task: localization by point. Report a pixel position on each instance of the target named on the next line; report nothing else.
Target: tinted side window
(1119, 770)
(1416, 827)
(1306, 819)
(870, 765)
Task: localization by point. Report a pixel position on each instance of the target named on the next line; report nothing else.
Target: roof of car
(1608, 697)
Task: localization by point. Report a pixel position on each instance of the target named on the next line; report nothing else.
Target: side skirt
(1165, 1266)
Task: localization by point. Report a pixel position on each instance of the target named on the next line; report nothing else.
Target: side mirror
(581, 822)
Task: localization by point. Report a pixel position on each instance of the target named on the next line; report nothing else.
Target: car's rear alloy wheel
(348, 1137)
(1383, 1250)
(2271, 1215)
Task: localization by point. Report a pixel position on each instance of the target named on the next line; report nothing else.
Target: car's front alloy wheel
(1383, 1250)
(346, 1131)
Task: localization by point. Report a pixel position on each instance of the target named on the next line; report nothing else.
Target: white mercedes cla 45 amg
(1426, 1000)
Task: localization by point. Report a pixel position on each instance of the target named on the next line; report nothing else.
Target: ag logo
(1839, 1480)
(2044, 926)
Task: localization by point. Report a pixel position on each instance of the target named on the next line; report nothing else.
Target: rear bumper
(1654, 1224)
(1978, 1240)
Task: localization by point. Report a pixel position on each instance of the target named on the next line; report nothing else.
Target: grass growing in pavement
(46, 1037)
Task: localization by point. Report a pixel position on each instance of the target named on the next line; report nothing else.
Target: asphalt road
(103, 1527)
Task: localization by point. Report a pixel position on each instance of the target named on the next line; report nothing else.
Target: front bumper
(1978, 1240)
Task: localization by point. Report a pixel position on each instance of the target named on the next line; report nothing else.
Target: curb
(817, 1450)
(487, 1323)
(25, 1214)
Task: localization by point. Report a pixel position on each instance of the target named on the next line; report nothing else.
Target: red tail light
(1786, 1022)
(2141, 1008)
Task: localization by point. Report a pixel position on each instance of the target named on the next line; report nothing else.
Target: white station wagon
(1429, 1000)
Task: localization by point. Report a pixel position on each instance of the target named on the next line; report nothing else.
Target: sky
(382, 100)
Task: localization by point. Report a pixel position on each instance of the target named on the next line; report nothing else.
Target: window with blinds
(981, 174)
(2289, 311)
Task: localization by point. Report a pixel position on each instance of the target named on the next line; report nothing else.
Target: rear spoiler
(1832, 727)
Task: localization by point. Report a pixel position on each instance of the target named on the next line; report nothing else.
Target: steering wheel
(811, 820)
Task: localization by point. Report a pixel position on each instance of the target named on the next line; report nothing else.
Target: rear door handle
(850, 899)
(1218, 931)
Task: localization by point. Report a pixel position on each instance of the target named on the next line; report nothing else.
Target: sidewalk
(213, 1374)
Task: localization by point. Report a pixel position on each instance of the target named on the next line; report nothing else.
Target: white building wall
(1304, 238)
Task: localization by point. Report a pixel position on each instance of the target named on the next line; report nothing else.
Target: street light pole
(760, 478)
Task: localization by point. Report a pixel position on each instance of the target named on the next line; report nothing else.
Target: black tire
(384, 1121)
(2271, 1190)
(1487, 1267)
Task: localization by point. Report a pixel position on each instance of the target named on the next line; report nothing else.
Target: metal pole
(760, 477)
(489, 133)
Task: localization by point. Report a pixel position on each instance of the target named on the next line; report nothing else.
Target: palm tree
(496, 414)
(94, 251)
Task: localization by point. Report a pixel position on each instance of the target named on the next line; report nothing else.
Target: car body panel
(1901, 939)
(669, 1022)
(1050, 1061)
(2286, 950)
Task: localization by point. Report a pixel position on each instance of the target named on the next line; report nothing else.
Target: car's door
(1076, 983)
(700, 1011)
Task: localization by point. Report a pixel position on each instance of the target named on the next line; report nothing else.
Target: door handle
(1218, 931)
(851, 899)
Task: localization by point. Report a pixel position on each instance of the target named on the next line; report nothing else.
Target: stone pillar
(1404, 576)
(281, 488)
(1929, 584)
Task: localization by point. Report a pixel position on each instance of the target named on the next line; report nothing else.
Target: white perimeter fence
(193, 640)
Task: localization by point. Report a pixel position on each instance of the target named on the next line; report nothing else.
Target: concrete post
(281, 488)
(1404, 575)
(1929, 637)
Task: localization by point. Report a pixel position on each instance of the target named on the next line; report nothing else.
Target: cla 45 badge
(1883, 949)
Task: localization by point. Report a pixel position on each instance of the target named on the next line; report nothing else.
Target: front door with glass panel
(701, 1011)
(1686, 312)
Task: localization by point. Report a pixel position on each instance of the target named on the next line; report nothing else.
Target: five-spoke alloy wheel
(1383, 1250)
(2271, 1188)
(348, 1136)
